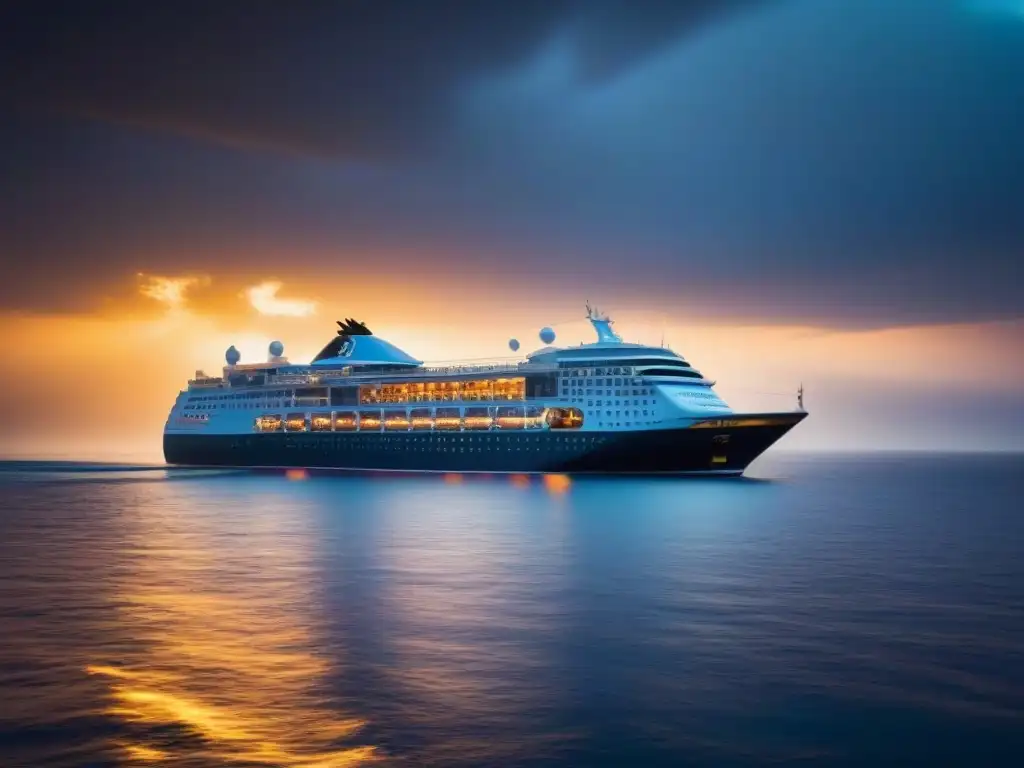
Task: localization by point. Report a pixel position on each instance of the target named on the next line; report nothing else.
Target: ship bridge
(619, 384)
(611, 351)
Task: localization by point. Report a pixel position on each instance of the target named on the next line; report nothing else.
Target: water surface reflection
(226, 609)
(474, 605)
(246, 620)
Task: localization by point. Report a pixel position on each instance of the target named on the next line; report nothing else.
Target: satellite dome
(547, 335)
(276, 349)
(232, 356)
(513, 344)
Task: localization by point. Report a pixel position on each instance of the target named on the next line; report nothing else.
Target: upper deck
(308, 375)
(356, 356)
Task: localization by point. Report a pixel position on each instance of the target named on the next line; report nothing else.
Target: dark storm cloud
(849, 162)
(357, 78)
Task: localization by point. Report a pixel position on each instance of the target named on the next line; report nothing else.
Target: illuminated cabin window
(448, 391)
(320, 422)
(269, 423)
(394, 393)
(369, 420)
(477, 390)
(431, 392)
(417, 392)
(421, 419)
(396, 420)
(511, 417)
(565, 418)
(478, 418)
(295, 422)
(344, 421)
(510, 389)
(447, 418)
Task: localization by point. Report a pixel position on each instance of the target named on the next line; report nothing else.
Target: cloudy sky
(819, 191)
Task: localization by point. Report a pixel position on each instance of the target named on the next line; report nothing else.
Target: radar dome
(547, 335)
(276, 349)
(513, 344)
(232, 356)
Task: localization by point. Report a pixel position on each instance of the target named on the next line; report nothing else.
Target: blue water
(840, 610)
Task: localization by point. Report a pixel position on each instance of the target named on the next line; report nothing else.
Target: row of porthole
(415, 439)
(453, 449)
(444, 449)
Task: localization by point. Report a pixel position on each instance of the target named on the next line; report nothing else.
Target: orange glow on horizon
(94, 387)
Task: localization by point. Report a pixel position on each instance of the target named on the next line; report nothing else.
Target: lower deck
(720, 450)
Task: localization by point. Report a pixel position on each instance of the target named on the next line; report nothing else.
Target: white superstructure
(607, 385)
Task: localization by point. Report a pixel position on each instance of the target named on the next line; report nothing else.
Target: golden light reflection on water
(557, 484)
(230, 640)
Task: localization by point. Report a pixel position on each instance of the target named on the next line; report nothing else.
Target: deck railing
(426, 371)
(327, 376)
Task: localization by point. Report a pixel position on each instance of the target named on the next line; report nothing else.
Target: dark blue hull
(719, 449)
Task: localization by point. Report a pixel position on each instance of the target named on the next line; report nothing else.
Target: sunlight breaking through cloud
(169, 290)
(264, 299)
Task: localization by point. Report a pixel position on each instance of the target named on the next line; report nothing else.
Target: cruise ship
(608, 407)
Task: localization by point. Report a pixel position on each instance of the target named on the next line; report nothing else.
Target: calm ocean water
(849, 611)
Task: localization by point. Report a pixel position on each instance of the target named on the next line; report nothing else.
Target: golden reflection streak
(557, 484)
(236, 667)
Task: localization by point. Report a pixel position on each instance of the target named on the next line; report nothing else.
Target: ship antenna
(800, 397)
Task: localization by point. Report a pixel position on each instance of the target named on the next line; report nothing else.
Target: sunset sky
(820, 191)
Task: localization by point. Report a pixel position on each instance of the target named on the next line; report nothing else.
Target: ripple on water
(855, 613)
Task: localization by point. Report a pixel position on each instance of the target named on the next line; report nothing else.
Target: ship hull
(718, 450)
